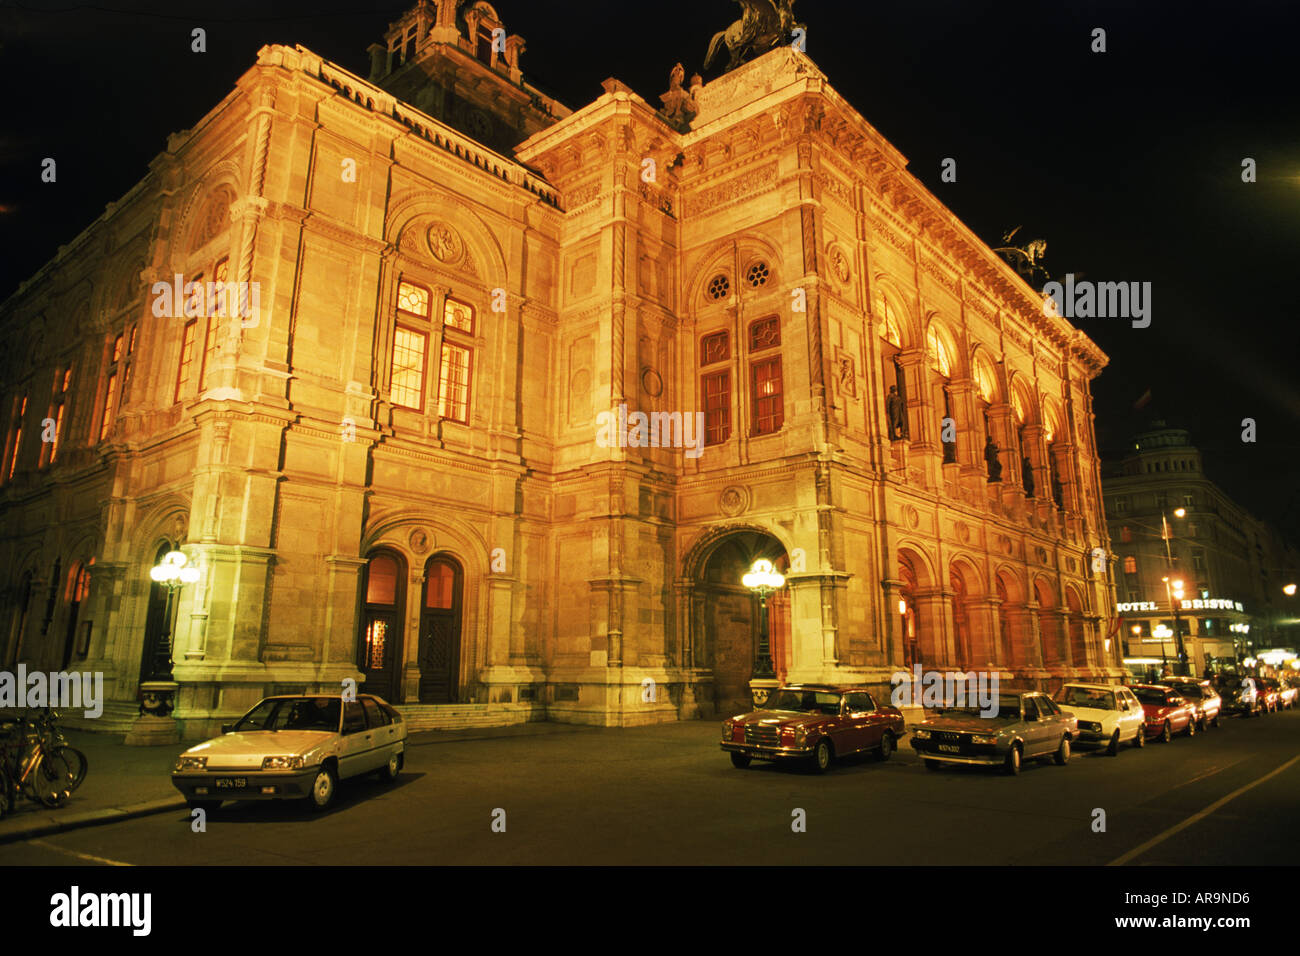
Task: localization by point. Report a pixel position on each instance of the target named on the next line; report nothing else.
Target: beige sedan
(294, 747)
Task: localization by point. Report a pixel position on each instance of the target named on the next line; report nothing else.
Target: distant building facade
(527, 391)
(1233, 567)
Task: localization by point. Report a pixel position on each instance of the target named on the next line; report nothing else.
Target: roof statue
(679, 104)
(1026, 259)
(764, 25)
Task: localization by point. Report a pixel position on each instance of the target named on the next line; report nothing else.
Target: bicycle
(56, 743)
(37, 774)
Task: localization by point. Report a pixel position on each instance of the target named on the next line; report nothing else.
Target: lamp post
(763, 579)
(1174, 589)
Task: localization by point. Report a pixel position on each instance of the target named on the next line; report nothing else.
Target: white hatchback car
(293, 747)
(1107, 713)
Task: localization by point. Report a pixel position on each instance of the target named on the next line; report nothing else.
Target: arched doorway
(1078, 638)
(78, 592)
(155, 622)
(440, 629)
(968, 643)
(18, 622)
(383, 589)
(729, 616)
(907, 609)
(1013, 640)
(1048, 622)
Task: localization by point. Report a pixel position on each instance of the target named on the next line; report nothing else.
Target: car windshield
(1231, 683)
(1093, 697)
(292, 713)
(1190, 690)
(805, 701)
(1150, 696)
(1008, 709)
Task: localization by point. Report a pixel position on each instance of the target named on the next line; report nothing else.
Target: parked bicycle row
(37, 762)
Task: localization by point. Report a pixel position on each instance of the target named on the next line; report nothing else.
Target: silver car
(294, 747)
(1025, 726)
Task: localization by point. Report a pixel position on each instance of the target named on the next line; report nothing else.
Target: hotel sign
(1198, 604)
(1210, 604)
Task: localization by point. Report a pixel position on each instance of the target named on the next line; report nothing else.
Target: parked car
(1027, 726)
(1240, 695)
(1202, 696)
(294, 747)
(1167, 712)
(815, 723)
(1288, 692)
(1108, 715)
(1269, 693)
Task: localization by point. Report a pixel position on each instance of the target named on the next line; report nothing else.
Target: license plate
(230, 783)
(950, 748)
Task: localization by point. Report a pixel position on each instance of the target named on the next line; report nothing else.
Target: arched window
(887, 322)
(985, 378)
(937, 349)
(765, 376)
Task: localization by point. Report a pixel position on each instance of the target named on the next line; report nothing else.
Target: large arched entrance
(440, 629)
(728, 626)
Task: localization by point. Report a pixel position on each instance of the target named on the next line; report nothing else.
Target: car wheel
(821, 758)
(1166, 733)
(207, 806)
(323, 788)
(391, 769)
(1215, 722)
(1191, 728)
(886, 748)
(1140, 740)
(741, 761)
(1062, 756)
(1113, 749)
(1012, 766)
(934, 765)
(1203, 725)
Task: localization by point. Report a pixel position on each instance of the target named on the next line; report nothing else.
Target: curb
(88, 818)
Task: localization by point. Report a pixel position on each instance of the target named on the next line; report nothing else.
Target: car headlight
(727, 726)
(983, 738)
(800, 736)
(921, 734)
(191, 763)
(282, 763)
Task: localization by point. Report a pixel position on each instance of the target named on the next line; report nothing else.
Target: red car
(814, 723)
(1166, 711)
(1270, 695)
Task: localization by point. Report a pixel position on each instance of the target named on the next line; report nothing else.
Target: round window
(719, 287)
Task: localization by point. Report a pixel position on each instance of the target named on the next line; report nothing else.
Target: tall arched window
(940, 355)
(889, 327)
(765, 376)
(78, 592)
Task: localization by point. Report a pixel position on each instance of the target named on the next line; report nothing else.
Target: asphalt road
(668, 795)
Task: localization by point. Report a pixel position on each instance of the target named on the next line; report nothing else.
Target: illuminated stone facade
(397, 472)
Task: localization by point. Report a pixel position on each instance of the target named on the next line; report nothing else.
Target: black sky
(1127, 162)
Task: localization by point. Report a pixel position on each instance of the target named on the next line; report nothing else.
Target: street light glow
(763, 577)
(1289, 590)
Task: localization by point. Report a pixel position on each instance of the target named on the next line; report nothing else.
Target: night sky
(1127, 162)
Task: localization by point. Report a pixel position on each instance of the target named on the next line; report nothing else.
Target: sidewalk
(123, 782)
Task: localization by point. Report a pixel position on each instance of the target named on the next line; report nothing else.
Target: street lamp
(1175, 590)
(173, 573)
(763, 579)
(1289, 590)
